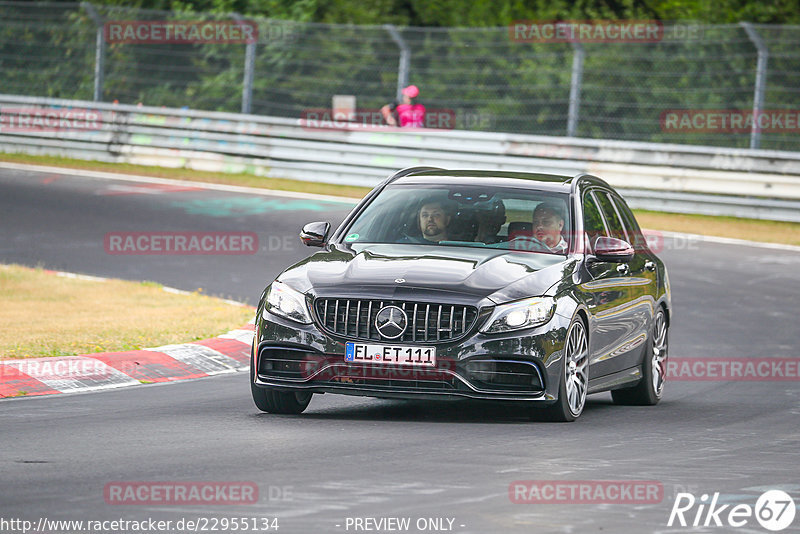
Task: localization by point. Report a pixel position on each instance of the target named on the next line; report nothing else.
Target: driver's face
(433, 222)
(547, 227)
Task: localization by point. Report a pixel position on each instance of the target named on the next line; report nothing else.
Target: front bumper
(520, 366)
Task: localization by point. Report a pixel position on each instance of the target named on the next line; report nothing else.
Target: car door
(631, 314)
(606, 294)
(643, 275)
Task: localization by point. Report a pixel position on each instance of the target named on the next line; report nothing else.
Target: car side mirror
(315, 234)
(613, 250)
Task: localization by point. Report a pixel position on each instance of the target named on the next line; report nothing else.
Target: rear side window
(593, 226)
(610, 213)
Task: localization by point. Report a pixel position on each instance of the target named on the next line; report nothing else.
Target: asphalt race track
(351, 458)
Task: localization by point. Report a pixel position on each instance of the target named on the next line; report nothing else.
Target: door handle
(650, 265)
(622, 268)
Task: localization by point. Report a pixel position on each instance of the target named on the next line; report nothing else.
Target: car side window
(636, 238)
(593, 226)
(610, 214)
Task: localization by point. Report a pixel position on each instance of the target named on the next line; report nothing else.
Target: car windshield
(460, 216)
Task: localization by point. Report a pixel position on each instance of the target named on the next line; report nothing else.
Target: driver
(548, 222)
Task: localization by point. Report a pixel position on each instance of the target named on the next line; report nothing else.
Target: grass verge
(732, 227)
(750, 229)
(47, 315)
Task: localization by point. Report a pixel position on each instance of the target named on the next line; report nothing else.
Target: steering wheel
(527, 243)
(412, 239)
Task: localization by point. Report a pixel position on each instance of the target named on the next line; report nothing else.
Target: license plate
(390, 354)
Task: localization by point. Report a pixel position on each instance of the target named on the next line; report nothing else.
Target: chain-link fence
(490, 80)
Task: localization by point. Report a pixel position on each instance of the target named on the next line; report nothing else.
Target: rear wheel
(575, 379)
(275, 401)
(654, 368)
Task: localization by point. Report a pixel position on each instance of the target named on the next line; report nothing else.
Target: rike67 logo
(774, 510)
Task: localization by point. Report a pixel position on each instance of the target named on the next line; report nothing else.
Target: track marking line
(176, 183)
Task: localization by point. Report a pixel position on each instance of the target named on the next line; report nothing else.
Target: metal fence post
(99, 51)
(405, 58)
(575, 89)
(249, 72)
(761, 81)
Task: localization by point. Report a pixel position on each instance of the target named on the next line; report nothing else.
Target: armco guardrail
(680, 178)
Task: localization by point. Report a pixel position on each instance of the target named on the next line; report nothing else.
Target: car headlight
(521, 314)
(284, 301)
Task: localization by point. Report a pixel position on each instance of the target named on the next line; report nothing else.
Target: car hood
(408, 271)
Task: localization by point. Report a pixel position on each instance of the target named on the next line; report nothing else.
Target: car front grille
(427, 322)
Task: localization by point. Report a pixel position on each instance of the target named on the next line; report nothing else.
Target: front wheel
(654, 369)
(280, 402)
(575, 379)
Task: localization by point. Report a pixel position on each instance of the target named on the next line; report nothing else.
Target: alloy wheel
(576, 360)
(660, 346)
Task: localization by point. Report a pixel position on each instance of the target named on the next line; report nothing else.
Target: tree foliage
(461, 57)
(483, 13)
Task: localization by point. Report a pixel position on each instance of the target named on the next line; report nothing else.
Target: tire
(574, 380)
(650, 388)
(271, 400)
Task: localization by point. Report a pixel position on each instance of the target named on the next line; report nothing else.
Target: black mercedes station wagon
(506, 286)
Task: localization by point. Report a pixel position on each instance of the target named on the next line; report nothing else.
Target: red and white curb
(228, 353)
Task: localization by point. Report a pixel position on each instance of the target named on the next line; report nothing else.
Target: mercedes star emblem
(391, 322)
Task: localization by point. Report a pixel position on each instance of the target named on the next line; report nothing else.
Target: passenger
(548, 223)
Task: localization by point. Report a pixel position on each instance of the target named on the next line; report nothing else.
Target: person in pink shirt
(405, 113)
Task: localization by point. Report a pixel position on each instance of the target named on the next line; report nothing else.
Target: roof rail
(411, 170)
(575, 180)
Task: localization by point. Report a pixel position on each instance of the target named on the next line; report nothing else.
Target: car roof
(479, 177)
(525, 180)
